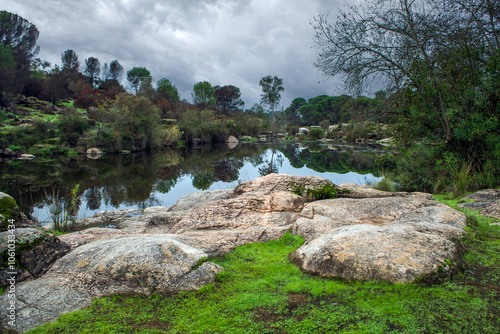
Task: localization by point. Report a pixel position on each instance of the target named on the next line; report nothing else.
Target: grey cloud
(222, 41)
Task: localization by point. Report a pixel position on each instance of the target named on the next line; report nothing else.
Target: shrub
(316, 133)
(71, 125)
(386, 184)
(321, 192)
(3, 116)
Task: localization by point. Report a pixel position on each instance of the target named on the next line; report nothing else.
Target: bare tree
(105, 72)
(399, 40)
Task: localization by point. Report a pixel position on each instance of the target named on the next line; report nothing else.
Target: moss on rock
(8, 206)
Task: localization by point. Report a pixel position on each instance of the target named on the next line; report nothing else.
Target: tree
(19, 34)
(167, 90)
(292, 113)
(271, 88)
(441, 63)
(92, 69)
(70, 61)
(228, 99)
(105, 72)
(138, 77)
(18, 38)
(7, 68)
(203, 95)
(115, 71)
(55, 85)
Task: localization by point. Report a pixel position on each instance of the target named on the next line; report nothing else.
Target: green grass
(262, 292)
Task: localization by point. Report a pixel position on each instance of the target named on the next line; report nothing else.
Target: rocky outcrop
(34, 252)
(488, 201)
(192, 201)
(320, 217)
(395, 253)
(130, 264)
(393, 239)
(259, 210)
(372, 235)
(10, 214)
(365, 191)
(232, 142)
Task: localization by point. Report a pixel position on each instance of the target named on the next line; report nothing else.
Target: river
(137, 181)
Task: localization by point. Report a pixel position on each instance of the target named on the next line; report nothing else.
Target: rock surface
(256, 211)
(373, 235)
(487, 200)
(394, 253)
(320, 217)
(393, 239)
(34, 251)
(8, 206)
(130, 264)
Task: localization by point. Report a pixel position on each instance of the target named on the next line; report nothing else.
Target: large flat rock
(132, 264)
(392, 239)
(394, 253)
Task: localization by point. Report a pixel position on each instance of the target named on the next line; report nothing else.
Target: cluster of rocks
(368, 235)
(34, 103)
(488, 201)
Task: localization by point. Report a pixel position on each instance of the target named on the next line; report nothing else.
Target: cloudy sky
(225, 42)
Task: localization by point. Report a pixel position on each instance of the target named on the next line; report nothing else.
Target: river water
(137, 181)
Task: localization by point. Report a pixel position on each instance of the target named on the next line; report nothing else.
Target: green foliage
(323, 108)
(167, 90)
(71, 125)
(321, 192)
(386, 184)
(26, 137)
(8, 207)
(63, 211)
(459, 171)
(415, 169)
(204, 95)
(3, 117)
(7, 62)
(139, 77)
(228, 99)
(271, 88)
(206, 126)
(316, 133)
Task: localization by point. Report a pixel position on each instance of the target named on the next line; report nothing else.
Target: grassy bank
(262, 292)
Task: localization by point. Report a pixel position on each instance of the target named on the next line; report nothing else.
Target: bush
(71, 126)
(3, 116)
(29, 136)
(320, 192)
(316, 133)
(386, 184)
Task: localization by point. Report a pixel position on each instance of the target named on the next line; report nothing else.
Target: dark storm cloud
(221, 41)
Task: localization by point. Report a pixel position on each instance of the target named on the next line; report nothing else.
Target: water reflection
(160, 178)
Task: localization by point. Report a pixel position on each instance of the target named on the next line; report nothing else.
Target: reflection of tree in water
(118, 179)
(94, 197)
(203, 181)
(228, 170)
(340, 160)
(291, 152)
(151, 201)
(272, 164)
(164, 186)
